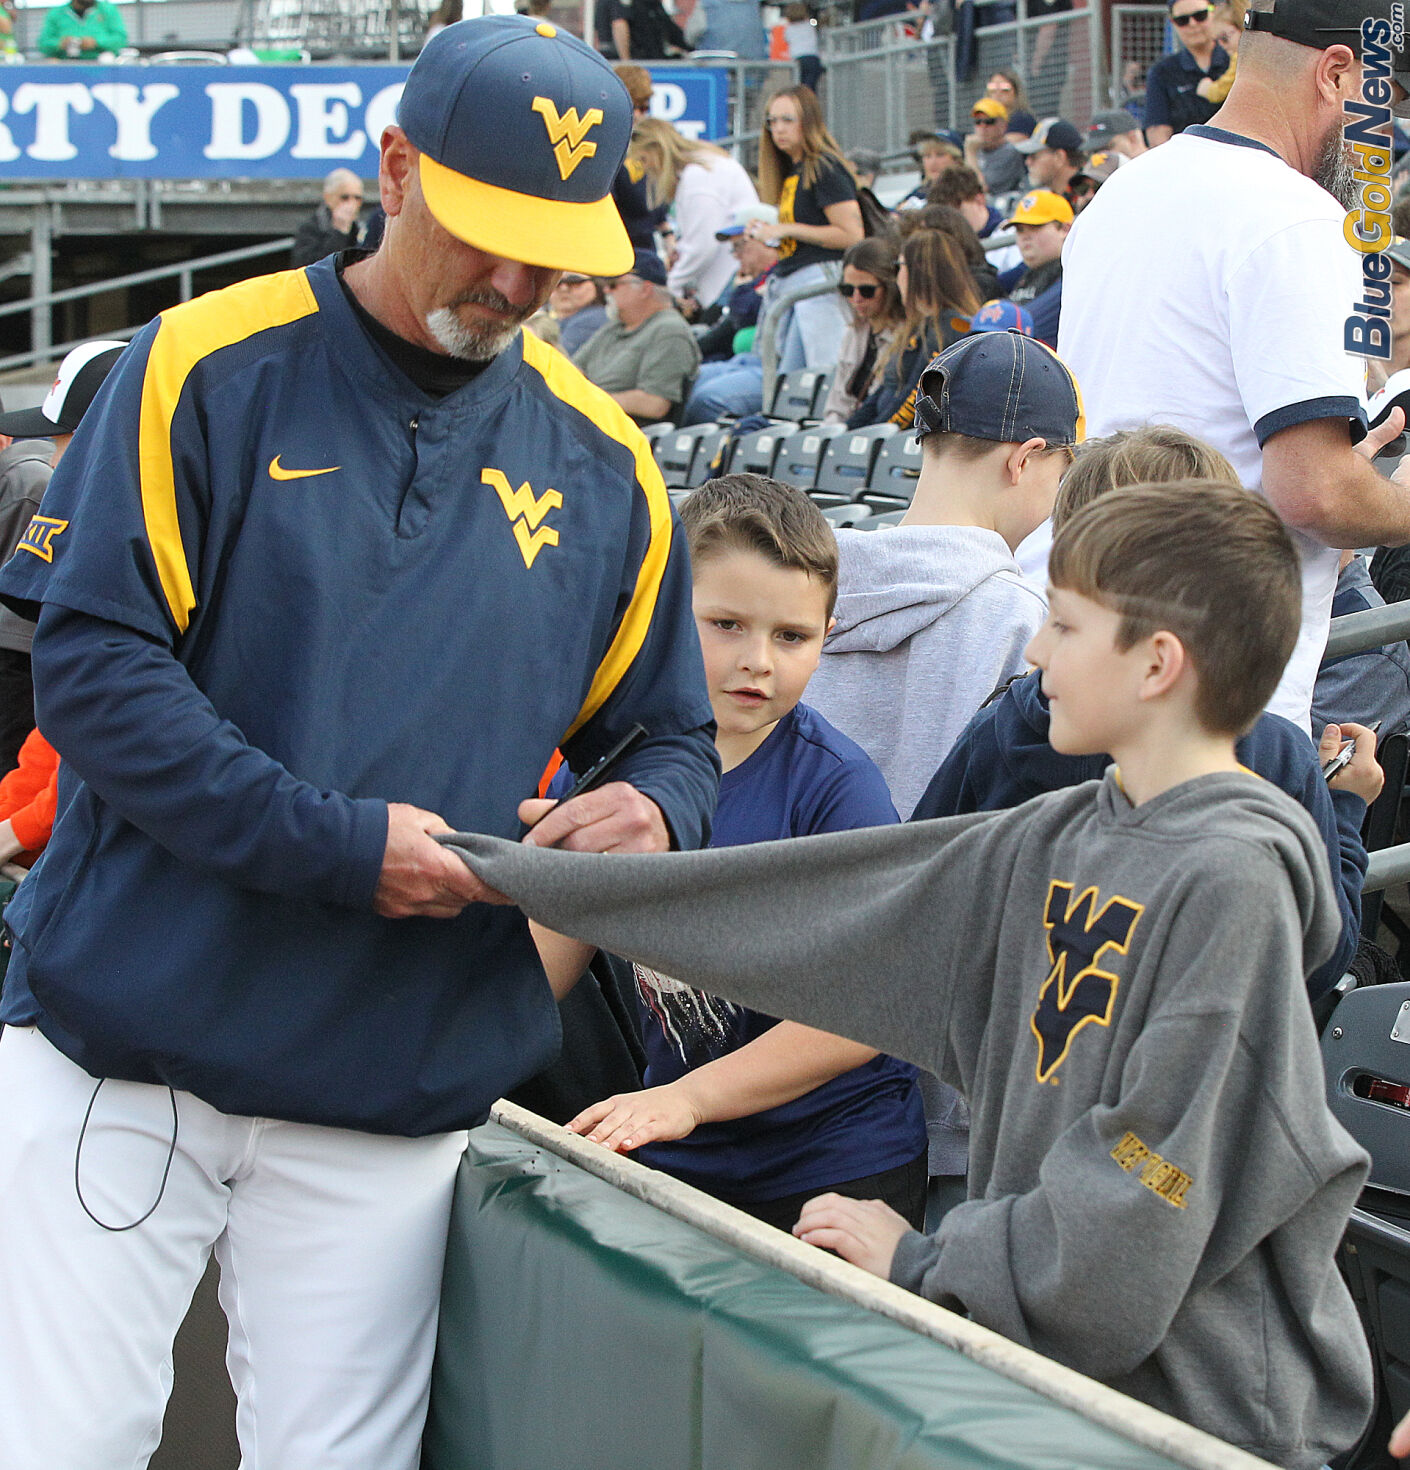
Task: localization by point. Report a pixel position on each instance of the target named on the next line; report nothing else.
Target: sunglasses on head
(865, 292)
(1193, 15)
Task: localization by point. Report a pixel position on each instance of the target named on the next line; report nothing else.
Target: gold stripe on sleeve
(185, 336)
(565, 382)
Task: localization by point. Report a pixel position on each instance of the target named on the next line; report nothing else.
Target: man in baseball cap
(1041, 223)
(80, 376)
(1098, 168)
(1054, 154)
(337, 559)
(1117, 131)
(1161, 328)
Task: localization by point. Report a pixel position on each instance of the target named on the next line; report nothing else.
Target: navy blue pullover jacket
(1003, 758)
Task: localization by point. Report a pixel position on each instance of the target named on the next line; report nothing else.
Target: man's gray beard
(1336, 170)
(465, 342)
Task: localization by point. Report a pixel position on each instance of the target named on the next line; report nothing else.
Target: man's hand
(420, 878)
(863, 1231)
(1362, 774)
(1400, 1439)
(630, 1119)
(614, 818)
(1377, 439)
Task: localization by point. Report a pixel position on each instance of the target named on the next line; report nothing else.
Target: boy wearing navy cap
(337, 559)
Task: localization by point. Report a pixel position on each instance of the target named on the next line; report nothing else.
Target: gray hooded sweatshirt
(930, 621)
(1157, 1186)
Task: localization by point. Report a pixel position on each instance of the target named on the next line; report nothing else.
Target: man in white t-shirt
(1208, 285)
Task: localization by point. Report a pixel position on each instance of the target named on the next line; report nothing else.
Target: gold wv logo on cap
(566, 132)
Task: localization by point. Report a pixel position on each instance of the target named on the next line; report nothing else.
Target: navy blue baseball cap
(1001, 386)
(521, 129)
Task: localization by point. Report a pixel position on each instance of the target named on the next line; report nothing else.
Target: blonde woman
(704, 186)
(802, 170)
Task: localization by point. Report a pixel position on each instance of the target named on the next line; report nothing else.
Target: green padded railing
(598, 1315)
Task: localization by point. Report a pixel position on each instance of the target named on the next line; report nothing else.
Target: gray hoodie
(930, 621)
(1157, 1186)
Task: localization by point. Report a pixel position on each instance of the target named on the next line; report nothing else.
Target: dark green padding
(582, 1329)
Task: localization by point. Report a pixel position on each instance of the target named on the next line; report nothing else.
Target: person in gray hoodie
(933, 615)
(1113, 974)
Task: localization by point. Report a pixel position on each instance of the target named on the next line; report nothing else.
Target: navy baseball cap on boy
(1052, 132)
(1001, 386)
(521, 129)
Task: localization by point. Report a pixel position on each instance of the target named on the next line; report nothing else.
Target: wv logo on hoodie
(1077, 989)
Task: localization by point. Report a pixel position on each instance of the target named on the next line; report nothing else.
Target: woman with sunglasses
(1006, 87)
(578, 305)
(803, 172)
(870, 289)
(939, 298)
(704, 187)
(1173, 102)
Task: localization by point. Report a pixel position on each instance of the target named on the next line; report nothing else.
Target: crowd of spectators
(940, 683)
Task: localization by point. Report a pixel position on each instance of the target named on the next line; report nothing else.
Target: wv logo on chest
(526, 512)
(1077, 989)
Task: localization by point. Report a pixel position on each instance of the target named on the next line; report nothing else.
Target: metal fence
(1138, 40)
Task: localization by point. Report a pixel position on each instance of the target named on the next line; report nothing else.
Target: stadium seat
(1379, 830)
(839, 516)
(707, 446)
(801, 453)
(847, 462)
(676, 453)
(799, 395)
(755, 453)
(894, 472)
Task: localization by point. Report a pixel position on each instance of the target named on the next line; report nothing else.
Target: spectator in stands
(1228, 23)
(1173, 102)
(800, 35)
(333, 226)
(936, 289)
(445, 14)
(28, 800)
(933, 155)
(1266, 379)
(1098, 168)
(579, 306)
(802, 170)
(646, 357)
(753, 1110)
(1041, 223)
(1004, 758)
(953, 223)
(933, 614)
(989, 150)
(629, 189)
(1361, 688)
(638, 30)
(704, 187)
(83, 28)
(1053, 154)
(734, 385)
(1115, 132)
(963, 189)
(32, 442)
(866, 165)
(1007, 87)
(871, 290)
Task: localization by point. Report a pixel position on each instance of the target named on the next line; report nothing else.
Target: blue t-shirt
(807, 777)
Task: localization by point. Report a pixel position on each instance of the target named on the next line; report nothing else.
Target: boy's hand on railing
(630, 1119)
(862, 1231)
(1362, 774)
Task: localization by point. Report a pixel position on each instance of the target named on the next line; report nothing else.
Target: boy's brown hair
(1202, 559)
(1155, 454)
(755, 513)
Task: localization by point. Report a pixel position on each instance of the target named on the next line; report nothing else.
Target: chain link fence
(1138, 41)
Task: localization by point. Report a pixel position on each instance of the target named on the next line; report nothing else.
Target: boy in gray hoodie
(1113, 975)
(933, 615)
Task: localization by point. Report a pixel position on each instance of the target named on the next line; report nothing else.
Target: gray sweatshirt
(930, 621)
(1156, 1184)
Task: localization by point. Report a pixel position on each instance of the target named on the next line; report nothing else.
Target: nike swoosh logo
(278, 472)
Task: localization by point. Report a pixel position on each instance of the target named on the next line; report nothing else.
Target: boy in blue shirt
(759, 1112)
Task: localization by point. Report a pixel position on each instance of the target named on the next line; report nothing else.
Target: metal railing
(40, 305)
(766, 338)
